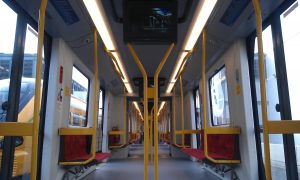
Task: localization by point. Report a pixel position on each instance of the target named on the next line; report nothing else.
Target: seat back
(223, 146)
(74, 147)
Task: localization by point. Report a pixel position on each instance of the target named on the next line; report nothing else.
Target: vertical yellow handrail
(174, 115)
(146, 128)
(204, 89)
(37, 99)
(125, 118)
(262, 77)
(96, 90)
(151, 136)
(182, 111)
(160, 66)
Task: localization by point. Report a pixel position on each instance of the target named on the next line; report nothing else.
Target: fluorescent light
(97, 14)
(199, 20)
(99, 18)
(138, 109)
(128, 87)
(170, 87)
(175, 71)
(161, 107)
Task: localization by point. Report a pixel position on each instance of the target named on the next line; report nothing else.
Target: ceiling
(79, 37)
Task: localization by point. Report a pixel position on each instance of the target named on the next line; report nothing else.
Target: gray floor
(132, 168)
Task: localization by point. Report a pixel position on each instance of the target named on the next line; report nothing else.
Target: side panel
(240, 108)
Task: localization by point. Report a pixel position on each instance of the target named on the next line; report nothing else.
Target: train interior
(180, 98)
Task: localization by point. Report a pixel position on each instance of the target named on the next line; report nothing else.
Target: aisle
(132, 168)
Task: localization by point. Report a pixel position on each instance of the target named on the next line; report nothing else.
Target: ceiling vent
(65, 10)
(234, 11)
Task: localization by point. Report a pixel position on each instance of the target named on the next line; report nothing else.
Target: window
(79, 99)
(219, 98)
(198, 121)
(281, 49)
(291, 42)
(100, 120)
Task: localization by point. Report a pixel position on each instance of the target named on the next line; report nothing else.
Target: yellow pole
(37, 99)
(125, 117)
(182, 112)
(146, 130)
(204, 89)
(174, 115)
(151, 136)
(160, 66)
(96, 90)
(263, 88)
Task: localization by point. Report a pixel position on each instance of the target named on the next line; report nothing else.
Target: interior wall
(57, 115)
(240, 105)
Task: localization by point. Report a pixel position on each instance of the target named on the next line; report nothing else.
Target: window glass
(26, 103)
(291, 40)
(7, 39)
(219, 98)
(271, 77)
(278, 168)
(297, 150)
(197, 109)
(100, 121)
(8, 21)
(79, 99)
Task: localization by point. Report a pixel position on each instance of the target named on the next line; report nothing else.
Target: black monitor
(150, 21)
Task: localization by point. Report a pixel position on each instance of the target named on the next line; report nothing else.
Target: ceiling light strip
(99, 18)
(202, 13)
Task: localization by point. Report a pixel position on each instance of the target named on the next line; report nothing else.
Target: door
(18, 54)
(280, 43)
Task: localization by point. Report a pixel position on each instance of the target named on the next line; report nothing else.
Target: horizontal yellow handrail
(180, 146)
(116, 146)
(284, 127)
(222, 161)
(188, 131)
(223, 130)
(116, 132)
(65, 163)
(75, 131)
(16, 129)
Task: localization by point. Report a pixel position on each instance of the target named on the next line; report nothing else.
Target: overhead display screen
(150, 21)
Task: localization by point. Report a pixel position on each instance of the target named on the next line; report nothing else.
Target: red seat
(196, 153)
(75, 149)
(220, 146)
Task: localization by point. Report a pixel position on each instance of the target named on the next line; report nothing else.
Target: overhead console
(150, 22)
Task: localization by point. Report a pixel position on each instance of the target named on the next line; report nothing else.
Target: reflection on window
(271, 77)
(100, 121)
(79, 99)
(197, 109)
(28, 77)
(278, 168)
(219, 98)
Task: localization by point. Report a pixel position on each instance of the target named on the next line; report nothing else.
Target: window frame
(88, 97)
(210, 98)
